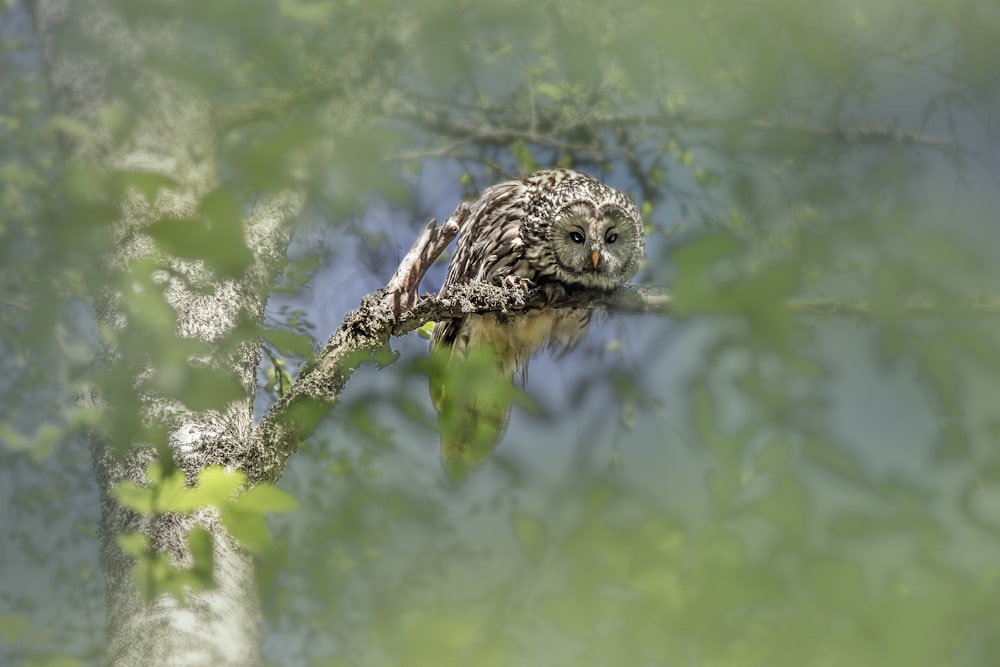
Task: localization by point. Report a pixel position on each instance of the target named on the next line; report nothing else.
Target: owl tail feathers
(473, 395)
(469, 433)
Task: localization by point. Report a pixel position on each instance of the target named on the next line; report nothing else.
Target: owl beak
(596, 258)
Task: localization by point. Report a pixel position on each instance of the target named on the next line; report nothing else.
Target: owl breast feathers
(556, 229)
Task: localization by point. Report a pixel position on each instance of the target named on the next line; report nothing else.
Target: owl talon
(516, 281)
(553, 291)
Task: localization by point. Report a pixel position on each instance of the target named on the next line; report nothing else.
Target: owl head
(594, 236)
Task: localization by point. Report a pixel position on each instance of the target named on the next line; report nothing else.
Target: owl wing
(489, 248)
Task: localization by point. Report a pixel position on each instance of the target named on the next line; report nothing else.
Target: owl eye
(576, 236)
(611, 238)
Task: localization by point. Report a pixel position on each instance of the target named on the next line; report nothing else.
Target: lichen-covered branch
(370, 327)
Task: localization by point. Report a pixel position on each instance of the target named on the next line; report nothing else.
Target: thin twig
(273, 106)
(14, 304)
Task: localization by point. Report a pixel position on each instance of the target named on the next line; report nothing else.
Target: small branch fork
(398, 309)
(402, 290)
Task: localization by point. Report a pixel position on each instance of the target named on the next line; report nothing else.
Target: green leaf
(266, 498)
(135, 497)
(425, 330)
(662, 585)
(472, 398)
(13, 627)
(250, 528)
(71, 127)
(215, 486)
(214, 236)
(154, 574)
(525, 161)
(133, 543)
(785, 506)
(289, 343)
(774, 456)
(726, 449)
(200, 545)
(531, 535)
(837, 583)
(575, 619)
(230, 256)
(146, 183)
(208, 388)
(693, 290)
(117, 121)
(172, 494)
(829, 458)
(937, 356)
(856, 525)
(154, 473)
(890, 287)
(266, 162)
(85, 183)
(184, 238)
(723, 483)
(307, 413)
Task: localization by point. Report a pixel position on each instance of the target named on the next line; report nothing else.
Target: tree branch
(484, 129)
(270, 107)
(979, 306)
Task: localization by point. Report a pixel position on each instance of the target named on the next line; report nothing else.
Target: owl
(556, 230)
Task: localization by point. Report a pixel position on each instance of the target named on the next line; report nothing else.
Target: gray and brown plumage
(556, 229)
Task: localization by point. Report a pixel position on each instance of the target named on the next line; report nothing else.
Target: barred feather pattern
(556, 229)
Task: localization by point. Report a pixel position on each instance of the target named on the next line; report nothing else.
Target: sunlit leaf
(265, 498)
(172, 494)
(216, 485)
(425, 330)
(132, 543)
(136, 497)
(250, 528)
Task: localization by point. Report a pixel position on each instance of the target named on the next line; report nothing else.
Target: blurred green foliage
(779, 148)
(473, 399)
(167, 493)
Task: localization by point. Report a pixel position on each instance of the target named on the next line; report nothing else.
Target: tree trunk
(98, 62)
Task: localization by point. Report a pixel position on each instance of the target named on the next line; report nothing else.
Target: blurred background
(735, 484)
